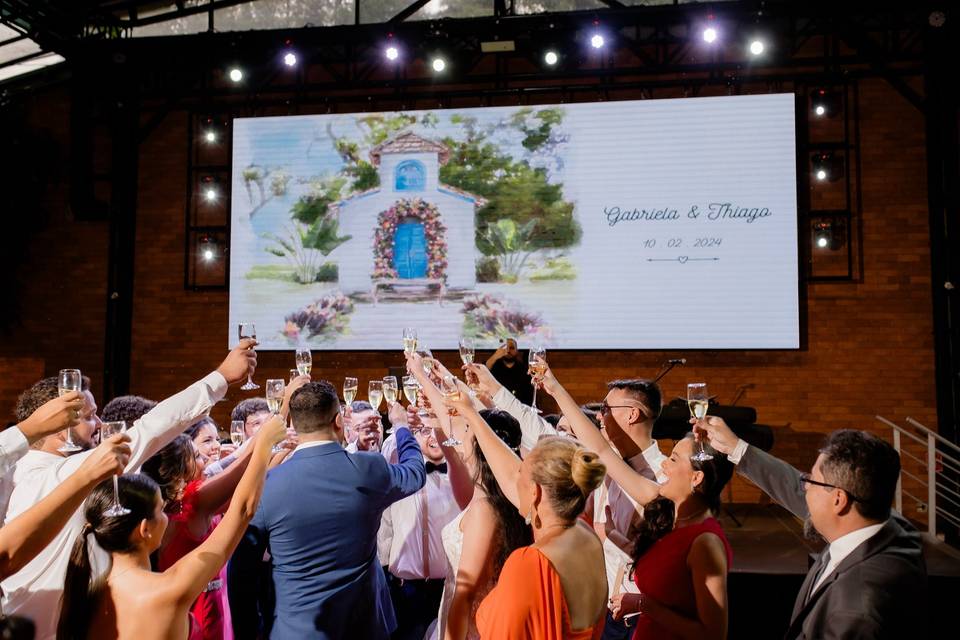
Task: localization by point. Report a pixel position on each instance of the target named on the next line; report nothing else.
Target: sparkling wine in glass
(237, 432)
(538, 365)
(349, 390)
(409, 340)
(450, 390)
(698, 400)
(107, 430)
(248, 330)
(69, 380)
(375, 393)
(411, 389)
(467, 350)
(390, 389)
(304, 361)
(426, 359)
(275, 387)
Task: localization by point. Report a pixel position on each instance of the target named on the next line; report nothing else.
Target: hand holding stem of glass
(108, 430)
(698, 399)
(67, 381)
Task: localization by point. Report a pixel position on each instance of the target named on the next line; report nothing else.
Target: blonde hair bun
(586, 470)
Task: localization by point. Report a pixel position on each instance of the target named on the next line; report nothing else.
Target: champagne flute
(452, 392)
(411, 389)
(426, 358)
(375, 393)
(409, 340)
(349, 390)
(698, 400)
(390, 389)
(107, 430)
(69, 380)
(304, 361)
(248, 330)
(467, 350)
(237, 432)
(538, 364)
(275, 387)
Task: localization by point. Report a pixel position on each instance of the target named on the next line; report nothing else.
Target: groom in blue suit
(319, 517)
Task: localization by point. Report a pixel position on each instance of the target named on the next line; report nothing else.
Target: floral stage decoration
(324, 317)
(433, 229)
(488, 317)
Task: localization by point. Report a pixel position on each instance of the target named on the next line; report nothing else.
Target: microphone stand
(666, 368)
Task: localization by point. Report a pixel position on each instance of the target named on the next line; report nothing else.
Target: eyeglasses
(424, 431)
(806, 479)
(605, 408)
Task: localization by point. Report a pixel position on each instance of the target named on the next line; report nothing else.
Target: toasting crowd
(478, 517)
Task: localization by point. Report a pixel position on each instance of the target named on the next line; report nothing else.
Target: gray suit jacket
(878, 591)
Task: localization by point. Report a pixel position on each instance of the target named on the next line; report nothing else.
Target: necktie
(823, 562)
(439, 468)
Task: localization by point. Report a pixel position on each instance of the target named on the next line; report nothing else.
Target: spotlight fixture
(551, 57)
(210, 194)
(757, 47)
(826, 103)
(290, 59)
(826, 166)
(391, 53)
(208, 248)
(597, 41)
(210, 136)
(438, 64)
(710, 35)
(236, 74)
(828, 232)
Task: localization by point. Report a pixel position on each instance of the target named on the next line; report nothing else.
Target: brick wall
(869, 345)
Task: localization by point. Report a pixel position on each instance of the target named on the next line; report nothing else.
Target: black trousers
(615, 629)
(415, 603)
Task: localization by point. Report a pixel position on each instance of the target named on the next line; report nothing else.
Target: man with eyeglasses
(871, 579)
(410, 542)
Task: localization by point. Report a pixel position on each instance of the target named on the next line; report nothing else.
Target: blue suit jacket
(319, 516)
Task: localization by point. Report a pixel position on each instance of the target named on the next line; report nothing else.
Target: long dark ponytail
(138, 493)
(659, 514)
(512, 530)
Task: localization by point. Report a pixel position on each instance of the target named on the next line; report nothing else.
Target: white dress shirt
(400, 541)
(842, 547)
(13, 446)
(623, 508)
(34, 592)
(532, 425)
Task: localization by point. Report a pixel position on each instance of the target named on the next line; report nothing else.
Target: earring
(529, 517)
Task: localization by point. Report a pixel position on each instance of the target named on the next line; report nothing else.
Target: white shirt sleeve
(738, 452)
(532, 426)
(13, 446)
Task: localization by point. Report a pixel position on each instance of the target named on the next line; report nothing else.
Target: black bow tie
(441, 468)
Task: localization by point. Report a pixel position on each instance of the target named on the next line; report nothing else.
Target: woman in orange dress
(556, 588)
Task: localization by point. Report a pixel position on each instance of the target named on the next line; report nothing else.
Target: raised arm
(532, 425)
(30, 532)
(49, 418)
(496, 355)
(502, 460)
(473, 572)
(641, 489)
(191, 573)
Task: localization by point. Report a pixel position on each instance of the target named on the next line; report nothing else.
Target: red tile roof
(409, 142)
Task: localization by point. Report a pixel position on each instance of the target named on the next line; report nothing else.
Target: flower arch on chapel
(434, 230)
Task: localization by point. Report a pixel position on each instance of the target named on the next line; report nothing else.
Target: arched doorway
(410, 249)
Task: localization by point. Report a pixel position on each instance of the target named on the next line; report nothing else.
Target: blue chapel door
(410, 250)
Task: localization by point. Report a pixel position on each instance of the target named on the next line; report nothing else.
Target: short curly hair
(40, 393)
(126, 409)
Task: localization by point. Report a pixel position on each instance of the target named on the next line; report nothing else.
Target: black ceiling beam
(411, 9)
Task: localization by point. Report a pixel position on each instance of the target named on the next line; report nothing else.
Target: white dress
(452, 538)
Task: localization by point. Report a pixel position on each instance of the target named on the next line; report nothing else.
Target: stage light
(826, 103)
(821, 174)
(828, 232)
(208, 248)
(710, 35)
(597, 41)
(757, 47)
(236, 74)
(210, 136)
(392, 53)
(826, 166)
(210, 194)
(822, 242)
(290, 59)
(819, 109)
(551, 57)
(438, 64)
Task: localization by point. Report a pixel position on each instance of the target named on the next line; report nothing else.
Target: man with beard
(871, 579)
(509, 368)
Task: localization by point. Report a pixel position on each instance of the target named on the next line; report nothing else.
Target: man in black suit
(871, 579)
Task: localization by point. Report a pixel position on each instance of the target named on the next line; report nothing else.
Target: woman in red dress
(681, 555)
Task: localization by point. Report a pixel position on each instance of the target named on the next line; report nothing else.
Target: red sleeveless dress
(663, 575)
